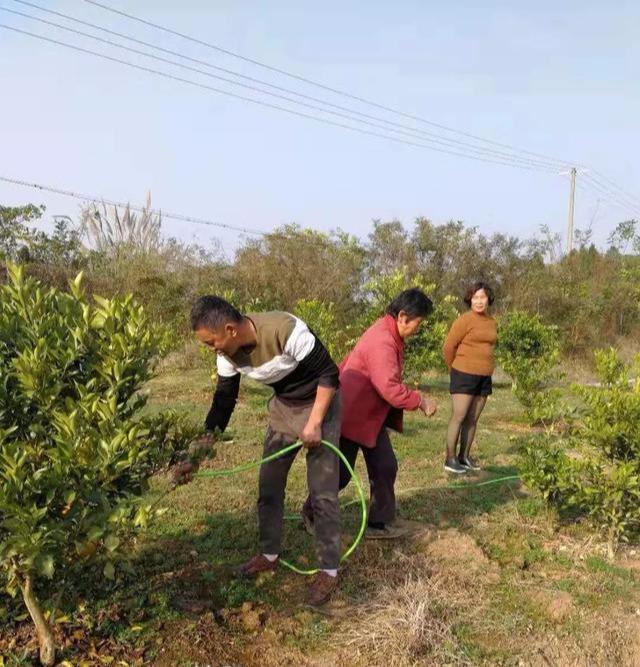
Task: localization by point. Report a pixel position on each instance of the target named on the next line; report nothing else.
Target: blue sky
(557, 78)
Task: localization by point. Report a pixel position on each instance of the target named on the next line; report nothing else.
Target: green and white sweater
(288, 357)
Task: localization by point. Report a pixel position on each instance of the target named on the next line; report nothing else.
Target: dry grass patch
(410, 621)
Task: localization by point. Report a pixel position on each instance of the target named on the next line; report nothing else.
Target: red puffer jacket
(373, 394)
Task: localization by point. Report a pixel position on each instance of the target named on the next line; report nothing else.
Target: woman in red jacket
(373, 398)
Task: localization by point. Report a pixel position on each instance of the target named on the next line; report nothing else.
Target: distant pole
(572, 200)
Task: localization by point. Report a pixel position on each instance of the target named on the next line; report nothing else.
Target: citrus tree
(75, 454)
(594, 468)
(529, 352)
(424, 350)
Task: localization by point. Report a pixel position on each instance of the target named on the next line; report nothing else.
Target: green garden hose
(473, 485)
(282, 452)
(485, 483)
(361, 497)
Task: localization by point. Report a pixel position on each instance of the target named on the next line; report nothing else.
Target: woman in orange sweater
(468, 351)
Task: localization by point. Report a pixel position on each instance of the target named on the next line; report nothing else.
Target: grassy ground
(486, 576)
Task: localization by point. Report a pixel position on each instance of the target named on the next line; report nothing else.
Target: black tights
(465, 413)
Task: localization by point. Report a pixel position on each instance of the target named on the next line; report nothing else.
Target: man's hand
(182, 472)
(202, 445)
(428, 406)
(311, 434)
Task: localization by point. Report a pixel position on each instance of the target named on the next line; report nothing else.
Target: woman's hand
(428, 406)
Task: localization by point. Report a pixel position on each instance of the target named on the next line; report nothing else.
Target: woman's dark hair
(477, 286)
(213, 312)
(413, 302)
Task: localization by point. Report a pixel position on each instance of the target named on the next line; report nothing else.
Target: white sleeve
(225, 367)
(300, 342)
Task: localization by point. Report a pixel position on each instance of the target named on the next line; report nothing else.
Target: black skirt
(467, 383)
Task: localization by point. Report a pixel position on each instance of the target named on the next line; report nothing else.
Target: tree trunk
(45, 637)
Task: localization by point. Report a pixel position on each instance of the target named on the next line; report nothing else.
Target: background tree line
(337, 281)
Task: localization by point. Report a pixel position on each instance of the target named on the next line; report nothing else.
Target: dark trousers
(382, 468)
(322, 481)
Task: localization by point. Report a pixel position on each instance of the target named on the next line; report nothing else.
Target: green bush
(75, 454)
(424, 351)
(14, 233)
(545, 466)
(595, 468)
(322, 320)
(529, 351)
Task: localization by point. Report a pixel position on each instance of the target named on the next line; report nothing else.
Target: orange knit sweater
(470, 342)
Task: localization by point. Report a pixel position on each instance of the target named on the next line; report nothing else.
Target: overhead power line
(320, 239)
(347, 116)
(597, 176)
(259, 102)
(609, 194)
(120, 204)
(391, 125)
(317, 84)
(626, 194)
(516, 157)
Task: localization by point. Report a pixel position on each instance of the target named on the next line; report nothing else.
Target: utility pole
(572, 199)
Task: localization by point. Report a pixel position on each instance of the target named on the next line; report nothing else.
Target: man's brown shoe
(255, 566)
(321, 589)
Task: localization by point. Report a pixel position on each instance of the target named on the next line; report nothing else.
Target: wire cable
(138, 209)
(259, 102)
(317, 84)
(412, 131)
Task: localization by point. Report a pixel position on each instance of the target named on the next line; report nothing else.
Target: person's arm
(223, 404)
(307, 349)
(311, 434)
(385, 374)
(457, 332)
(217, 419)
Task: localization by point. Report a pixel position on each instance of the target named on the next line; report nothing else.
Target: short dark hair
(475, 287)
(414, 302)
(213, 312)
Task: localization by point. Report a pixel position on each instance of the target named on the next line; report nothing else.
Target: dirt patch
(502, 460)
(415, 530)
(458, 553)
(244, 637)
(614, 643)
(631, 563)
(557, 605)
(23, 638)
(513, 427)
(203, 642)
(630, 558)
(634, 647)
(409, 622)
